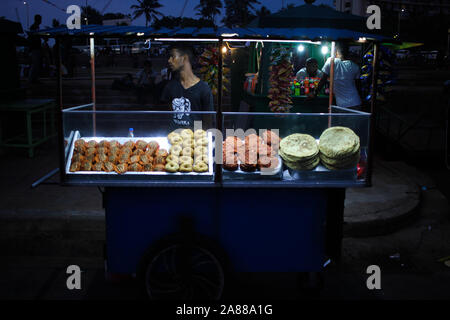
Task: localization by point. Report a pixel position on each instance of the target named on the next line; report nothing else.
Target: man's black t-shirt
(196, 98)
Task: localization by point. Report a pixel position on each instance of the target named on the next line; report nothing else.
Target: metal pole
(62, 156)
(219, 105)
(375, 63)
(330, 100)
(91, 42)
(44, 178)
(28, 16)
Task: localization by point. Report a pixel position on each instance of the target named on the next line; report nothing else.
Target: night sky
(48, 12)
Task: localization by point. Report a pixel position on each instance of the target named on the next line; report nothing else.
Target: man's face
(312, 68)
(176, 60)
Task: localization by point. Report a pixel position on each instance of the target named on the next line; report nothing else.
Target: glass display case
(115, 145)
(302, 159)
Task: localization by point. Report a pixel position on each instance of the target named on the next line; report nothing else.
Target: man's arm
(320, 86)
(323, 80)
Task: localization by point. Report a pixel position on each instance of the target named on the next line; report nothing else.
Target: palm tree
(148, 9)
(238, 12)
(263, 12)
(209, 9)
(90, 15)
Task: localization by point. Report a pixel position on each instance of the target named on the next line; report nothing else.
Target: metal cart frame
(212, 220)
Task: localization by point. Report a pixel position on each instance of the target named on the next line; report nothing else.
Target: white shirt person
(346, 73)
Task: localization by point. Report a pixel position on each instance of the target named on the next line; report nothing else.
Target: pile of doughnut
(189, 151)
(254, 153)
(111, 156)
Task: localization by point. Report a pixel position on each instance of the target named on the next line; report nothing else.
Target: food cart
(182, 233)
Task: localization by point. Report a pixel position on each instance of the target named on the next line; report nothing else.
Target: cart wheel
(182, 270)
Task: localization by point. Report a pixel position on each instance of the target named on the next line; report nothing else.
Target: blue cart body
(260, 229)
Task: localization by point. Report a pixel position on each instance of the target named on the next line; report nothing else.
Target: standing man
(35, 48)
(346, 75)
(310, 71)
(185, 92)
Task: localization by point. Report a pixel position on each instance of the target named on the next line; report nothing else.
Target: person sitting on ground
(124, 83)
(145, 81)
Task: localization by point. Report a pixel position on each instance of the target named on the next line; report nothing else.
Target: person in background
(35, 48)
(346, 76)
(145, 81)
(310, 71)
(47, 60)
(185, 92)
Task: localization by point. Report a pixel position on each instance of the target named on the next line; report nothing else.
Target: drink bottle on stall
(131, 133)
(297, 89)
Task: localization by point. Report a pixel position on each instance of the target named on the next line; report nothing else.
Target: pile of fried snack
(338, 148)
(189, 151)
(110, 156)
(254, 153)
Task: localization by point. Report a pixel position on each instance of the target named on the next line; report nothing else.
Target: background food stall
(181, 231)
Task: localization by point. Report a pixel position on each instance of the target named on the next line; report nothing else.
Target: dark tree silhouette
(148, 9)
(262, 12)
(239, 12)
(209, 9)
(90, 15)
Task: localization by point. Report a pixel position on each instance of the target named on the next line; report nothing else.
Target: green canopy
(311, 16)
(403, 45)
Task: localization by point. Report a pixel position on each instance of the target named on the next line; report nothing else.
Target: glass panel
(133, 129)
(344, 169)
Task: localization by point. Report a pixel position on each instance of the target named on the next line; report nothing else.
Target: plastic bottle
(297, 89)
(306, 86)
(131, 133)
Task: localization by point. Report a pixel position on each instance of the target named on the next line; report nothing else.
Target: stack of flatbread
(339, 148)
(300, 152)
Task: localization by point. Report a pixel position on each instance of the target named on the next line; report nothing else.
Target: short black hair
(184, 50)
(311, 61)
(37, 17)
(343, 49)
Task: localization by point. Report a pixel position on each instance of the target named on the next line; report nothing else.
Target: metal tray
(276, 174)
(149, 175)
(320, 173)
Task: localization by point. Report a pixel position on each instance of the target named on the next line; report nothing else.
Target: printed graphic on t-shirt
(181, 105)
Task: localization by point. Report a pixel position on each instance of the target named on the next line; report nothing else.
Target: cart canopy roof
(311, 16)
(314, 34)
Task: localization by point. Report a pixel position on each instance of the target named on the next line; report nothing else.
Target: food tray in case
(276, 174)
(147, 175)
(320, 173)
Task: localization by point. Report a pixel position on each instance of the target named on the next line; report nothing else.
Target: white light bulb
(324, 50)
(301, 48)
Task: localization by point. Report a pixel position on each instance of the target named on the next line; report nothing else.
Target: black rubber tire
(181, 267)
